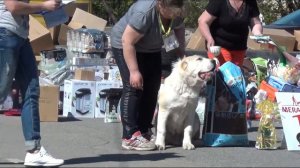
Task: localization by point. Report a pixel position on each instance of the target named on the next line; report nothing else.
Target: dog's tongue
(205, 76)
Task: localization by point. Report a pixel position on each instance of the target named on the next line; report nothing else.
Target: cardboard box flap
(48, 103)
(277, 32)
(40, 37)
(280, 37)
(36, 29)
(88, 20)
(297, 37)
(62, 37)
(75, 25)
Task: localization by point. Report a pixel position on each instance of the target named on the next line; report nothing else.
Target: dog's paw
(160, 145)
(188, 146)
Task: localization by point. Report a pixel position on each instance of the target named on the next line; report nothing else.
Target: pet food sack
(225, 111)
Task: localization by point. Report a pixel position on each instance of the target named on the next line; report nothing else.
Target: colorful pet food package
(225, 112)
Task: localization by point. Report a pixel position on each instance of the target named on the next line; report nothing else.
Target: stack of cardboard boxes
(82, 95)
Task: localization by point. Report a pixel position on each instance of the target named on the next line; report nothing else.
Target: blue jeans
(17, 61)
(138, 106)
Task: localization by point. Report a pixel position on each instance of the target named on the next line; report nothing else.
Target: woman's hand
(136, 80)
(297, 65)
(210, 43)
(51, 5)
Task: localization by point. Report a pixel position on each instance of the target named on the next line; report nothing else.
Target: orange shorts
(235, 56)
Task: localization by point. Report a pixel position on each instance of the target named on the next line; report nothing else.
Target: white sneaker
(41, 158)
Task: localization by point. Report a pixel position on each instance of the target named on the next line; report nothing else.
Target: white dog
(177, 121)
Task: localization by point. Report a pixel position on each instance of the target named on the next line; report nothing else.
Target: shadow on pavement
(122, 158)
(252, 144)
(255, 129)
(10, 163)
(67, 119)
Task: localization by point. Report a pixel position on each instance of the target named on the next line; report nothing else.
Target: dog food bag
(234, 78)
(225, 112)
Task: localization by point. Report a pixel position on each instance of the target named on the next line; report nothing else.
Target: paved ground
(93, 143)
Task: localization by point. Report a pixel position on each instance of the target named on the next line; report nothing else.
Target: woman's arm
(256, 26)
(129, 39)
(22, 8)
(204, 22)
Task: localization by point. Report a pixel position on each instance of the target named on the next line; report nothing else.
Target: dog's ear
(183, 65)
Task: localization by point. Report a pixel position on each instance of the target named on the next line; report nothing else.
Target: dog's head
(196, 69)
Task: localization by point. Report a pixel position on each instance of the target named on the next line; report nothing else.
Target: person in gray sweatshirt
(137, 41)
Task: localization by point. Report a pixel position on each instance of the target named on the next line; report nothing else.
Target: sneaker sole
(137, 148)
(40, 165)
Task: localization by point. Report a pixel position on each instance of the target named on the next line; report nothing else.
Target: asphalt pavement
(93, 143)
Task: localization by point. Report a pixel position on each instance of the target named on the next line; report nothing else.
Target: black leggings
(138, 106)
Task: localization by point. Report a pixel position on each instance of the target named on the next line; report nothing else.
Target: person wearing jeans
(136, 42)
(17, 60)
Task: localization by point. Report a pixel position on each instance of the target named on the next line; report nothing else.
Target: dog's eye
(200, 59)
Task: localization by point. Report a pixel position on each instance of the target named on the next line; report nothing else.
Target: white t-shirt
(18, 24)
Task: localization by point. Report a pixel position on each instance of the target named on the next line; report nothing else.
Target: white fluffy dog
(177, 121)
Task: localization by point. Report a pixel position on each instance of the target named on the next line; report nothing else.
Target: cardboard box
(101, 97)
(80, 19)
(197, 41)
(258, 46)
(54, 31)
(79, 99)
(280, 37)
(48, 103)
(39, 18)
(40, 37)
(297, 38)
(85, 74)
(62, 37)
(88, 20)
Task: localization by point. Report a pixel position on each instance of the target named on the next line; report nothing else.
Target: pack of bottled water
(87, 41)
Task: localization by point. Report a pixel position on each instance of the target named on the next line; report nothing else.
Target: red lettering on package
(290, 109)
(298, 117)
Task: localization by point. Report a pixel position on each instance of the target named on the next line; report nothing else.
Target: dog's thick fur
(177, 121)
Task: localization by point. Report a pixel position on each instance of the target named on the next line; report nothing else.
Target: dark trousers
(138, 106)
